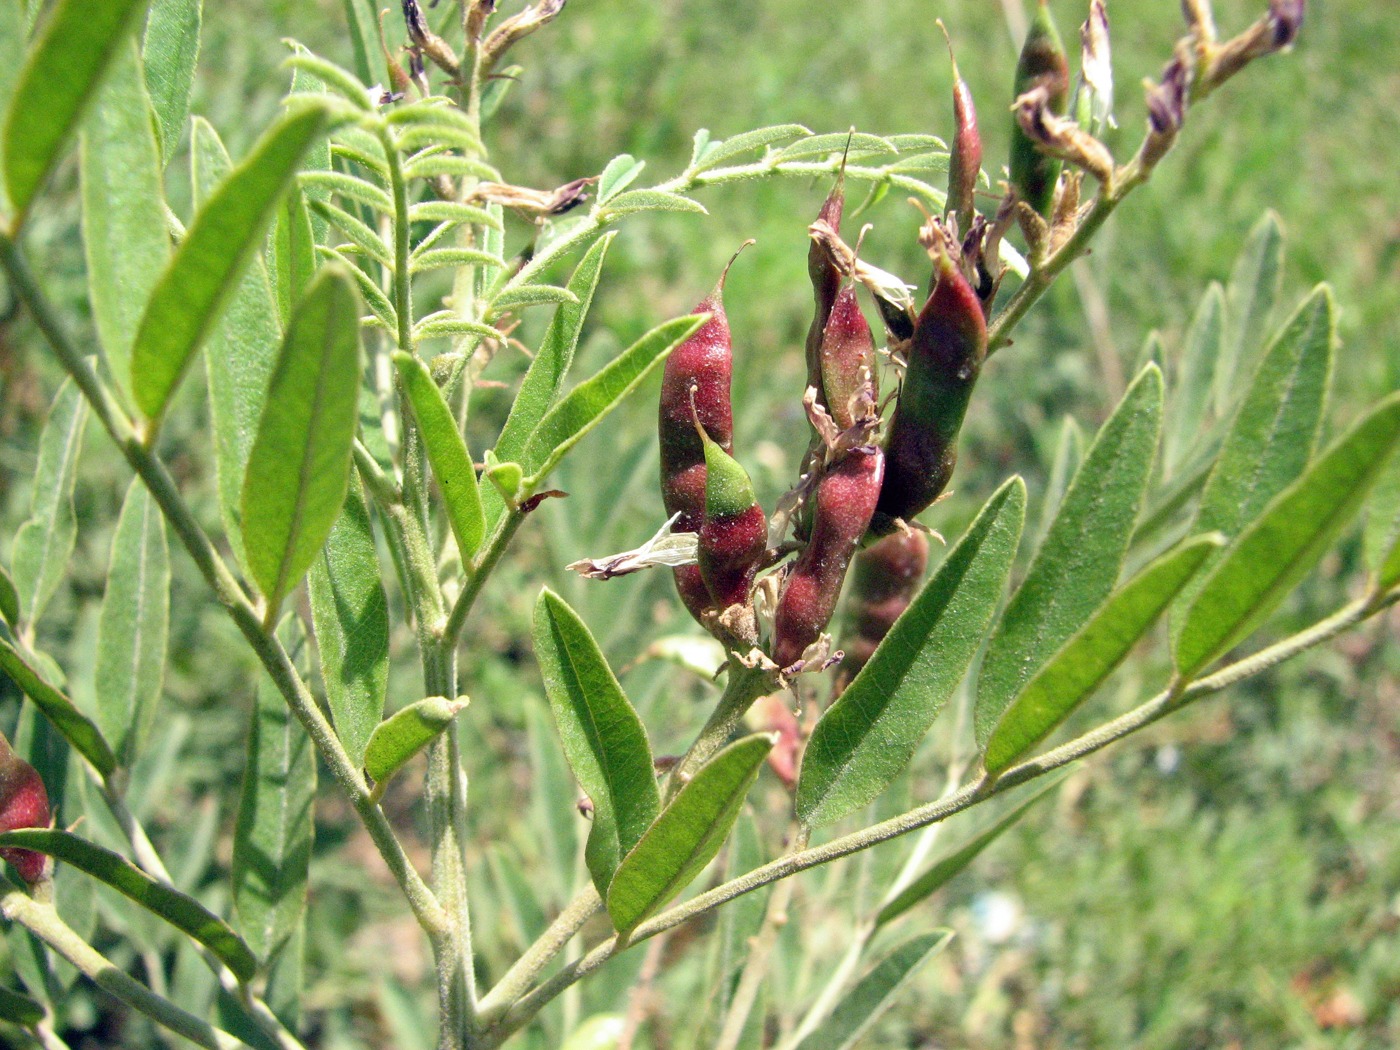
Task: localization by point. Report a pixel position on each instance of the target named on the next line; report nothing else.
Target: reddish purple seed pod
(884, 579)
(845, 500)
(965, 158)
(734, 533)
(24, 803)
(848, 360)
(826, 283)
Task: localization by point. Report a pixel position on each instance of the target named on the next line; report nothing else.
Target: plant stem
(225, 587)
(746, 684)
(43, 921)
(481, 570)
(531, 964)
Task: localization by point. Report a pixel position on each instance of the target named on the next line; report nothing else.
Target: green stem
(43, 921)
(226, 589)
(481, 570)
(745, 686)
(541, 953)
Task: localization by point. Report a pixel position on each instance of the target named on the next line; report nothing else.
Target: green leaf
(494, 92)
(45, 542)
(445, 258)
(9, 600)
(747, 142)
(361, 236)
(853, 145)
(447, 452)
(359, 16)
(181, 911)
(242, 350)
(335, 79)
(124, 228)
(452, 212)
(530, 295)
(862, 1006)
(1259, 569)
(943, 870)
(446, 322)
(407, 732)
(171, 52)
(375, 298)
(293, 252)
(351, 187)
(429, 165)
(603, 738)
(133, 627)
(1069, 453)
(59, 79)
(207, 267)
(71, 723)
(299, 466)
(14, 31)
(620, 173)
(351, 616)
(564, 425)
(1249, 301)
(14, 1007)
(1082, 663)
(652, 200)
(1078, 562)
(869, 734)
(687, 833)
(274, 834)
(1382, 537)
(1191, 393)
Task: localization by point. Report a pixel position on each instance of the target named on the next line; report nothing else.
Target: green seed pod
(848, 360)
(945, 358)
(24, 803)
(884, 579)
(734, 535)
(1034, 175)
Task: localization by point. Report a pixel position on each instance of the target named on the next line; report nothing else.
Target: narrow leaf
(943, 870)
(59, 79)
(45, 541)
(133, 627)
(1069, 453)
(1249, 301)
(747, 142)
(14, 29)
(874, 728)
(293, 252)
(183, 912)
(124, 228)
(447, 452)
(862, 1006)
(9, 601)
(1078, 563)
(351, 187)
(1191, 394)
(603, 738)
(444, 258)
(620, 173)
(530, 295)
(211, 259)
(446, 322)
(351, 616)
(335, 79)
(299, 466)
(375, 298)
(407, 732)
(452, 212)
(687, 834)
(20, 1009)
(71, 723)
(361, 236)
(171, 52)
(1081, 665)
(652, 200)
(852, 145)
(1382, 536)
(564, 425)
(1259, 569)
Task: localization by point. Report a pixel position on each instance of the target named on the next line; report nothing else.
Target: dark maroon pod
(885, 577)
(945, 357)
(826, 283)
(848, 361)
(844, 502)
(734, 533)
(24, 803)
(965, 156)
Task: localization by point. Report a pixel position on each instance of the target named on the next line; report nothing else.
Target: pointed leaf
(1081, 665)
(447, 258)
(407, 732)
(71, 723)
(452, 212)
(351, 616)
(687, 833)
(530, 295)
(210, 261)
(299, 466)
(9, 601)
(1249, 300)
(124, 229)
(375, 298)
(171, 52)
(620, 173)
(1275, 552)
(183, 912)
(59, 79)
(45, 542)
(603, 738)
(445, 322)
(652, 200)
(1069, 453)
(332, 78)
(16, 1008)
(852, 145)
(943, 870)
(293, 255)
(1200, 353)
(1382, 537)
(747, 142)
(862, 1006)
(447, 452)
(354, 188)
(1077, 564)
(564, 425)
(874, 728)
(133, 627)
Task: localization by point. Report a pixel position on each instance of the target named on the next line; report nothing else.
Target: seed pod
(24, 803)
(734, 535)
(965, 158)
(1042, 63)
(845, 500)
(848, 361)
(884, 579)
(945, 357)
(826, 283)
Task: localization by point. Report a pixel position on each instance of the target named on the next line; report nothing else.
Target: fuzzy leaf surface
(75, 727)
(407, 732)
(171, 52)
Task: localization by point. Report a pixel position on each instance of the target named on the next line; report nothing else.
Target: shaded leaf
(181, 911)
(1382, 537)
(299, 466)
(407, 732)
(1259, 569)
(210, 261)
(71, 723)
(869, 734)
(9, 600)
(293, 252)
(58, 80)
(1082, 663)
(687, 834)
(171, 52)
(603, 738)
(1078, 562)
(19, 1009)
(14, 30)
(1249, 300)
(1191, 393)
(133, 627)
(1069, 453)
(447, 452)
(369, 243)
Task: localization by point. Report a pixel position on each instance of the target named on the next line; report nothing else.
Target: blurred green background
(1231, 878)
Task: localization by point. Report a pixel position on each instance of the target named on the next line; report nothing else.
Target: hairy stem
(540, 954)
